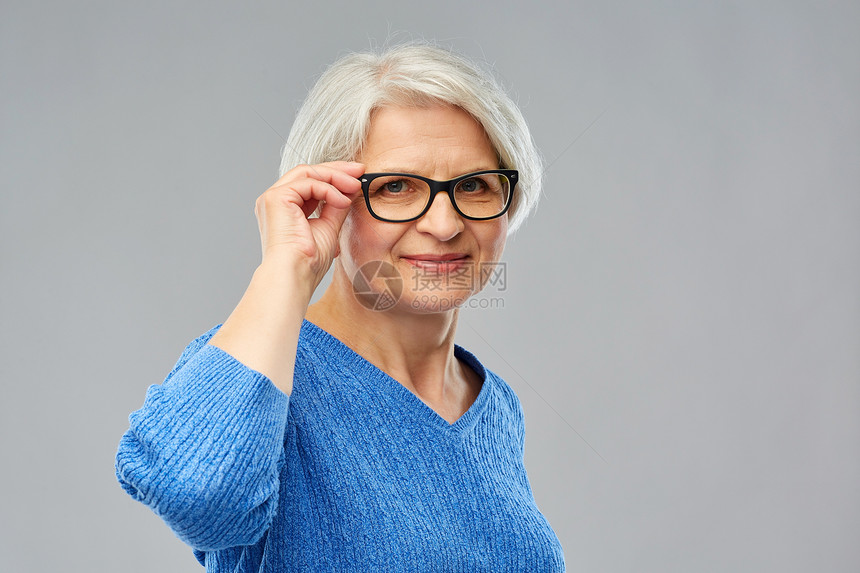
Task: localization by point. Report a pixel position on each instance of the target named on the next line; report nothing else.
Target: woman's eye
(471, 185)
(394, 186)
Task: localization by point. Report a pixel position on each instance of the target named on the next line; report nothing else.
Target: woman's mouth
(439, 264)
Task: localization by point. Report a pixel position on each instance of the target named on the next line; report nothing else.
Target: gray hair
(333, 122)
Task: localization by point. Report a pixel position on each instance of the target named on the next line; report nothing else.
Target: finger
(331, 219)
(353, 168)
(341, 174)
(309, 189)
(334, 215)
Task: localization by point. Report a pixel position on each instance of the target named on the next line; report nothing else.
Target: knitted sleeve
(204, 450)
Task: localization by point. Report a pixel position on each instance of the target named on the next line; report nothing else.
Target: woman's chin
(434, 302)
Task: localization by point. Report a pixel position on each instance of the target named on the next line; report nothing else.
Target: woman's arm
(204, 450)
(263, 330)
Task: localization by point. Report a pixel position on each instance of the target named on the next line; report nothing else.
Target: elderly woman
(353, 434)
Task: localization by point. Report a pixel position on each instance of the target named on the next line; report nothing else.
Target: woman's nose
(441, 220)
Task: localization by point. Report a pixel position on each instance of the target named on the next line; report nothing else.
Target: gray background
(681, 319)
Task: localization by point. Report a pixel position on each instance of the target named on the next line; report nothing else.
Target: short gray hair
(334, 119)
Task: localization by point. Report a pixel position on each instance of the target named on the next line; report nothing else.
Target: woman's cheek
(361, 242)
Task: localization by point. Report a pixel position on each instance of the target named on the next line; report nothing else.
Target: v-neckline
(378, 380)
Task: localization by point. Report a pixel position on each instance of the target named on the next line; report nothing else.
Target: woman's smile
(440, 264)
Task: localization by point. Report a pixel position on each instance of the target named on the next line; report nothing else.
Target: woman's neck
(415, 349)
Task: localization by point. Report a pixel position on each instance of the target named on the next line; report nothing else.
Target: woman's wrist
(288, 274)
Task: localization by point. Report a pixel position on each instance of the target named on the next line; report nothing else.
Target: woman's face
(441, 257)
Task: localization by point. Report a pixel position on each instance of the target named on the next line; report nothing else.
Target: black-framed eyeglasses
(403, 197)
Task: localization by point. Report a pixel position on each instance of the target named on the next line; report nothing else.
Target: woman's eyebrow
(395, 170)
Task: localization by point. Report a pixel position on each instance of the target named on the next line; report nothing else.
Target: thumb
(331, 219)
(334, 216)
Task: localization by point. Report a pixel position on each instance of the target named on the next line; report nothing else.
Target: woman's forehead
(405, 139)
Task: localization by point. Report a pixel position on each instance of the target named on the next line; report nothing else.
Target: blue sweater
(351, 472)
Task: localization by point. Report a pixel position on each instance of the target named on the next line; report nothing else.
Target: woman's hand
(283, 211)
(263, 330)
